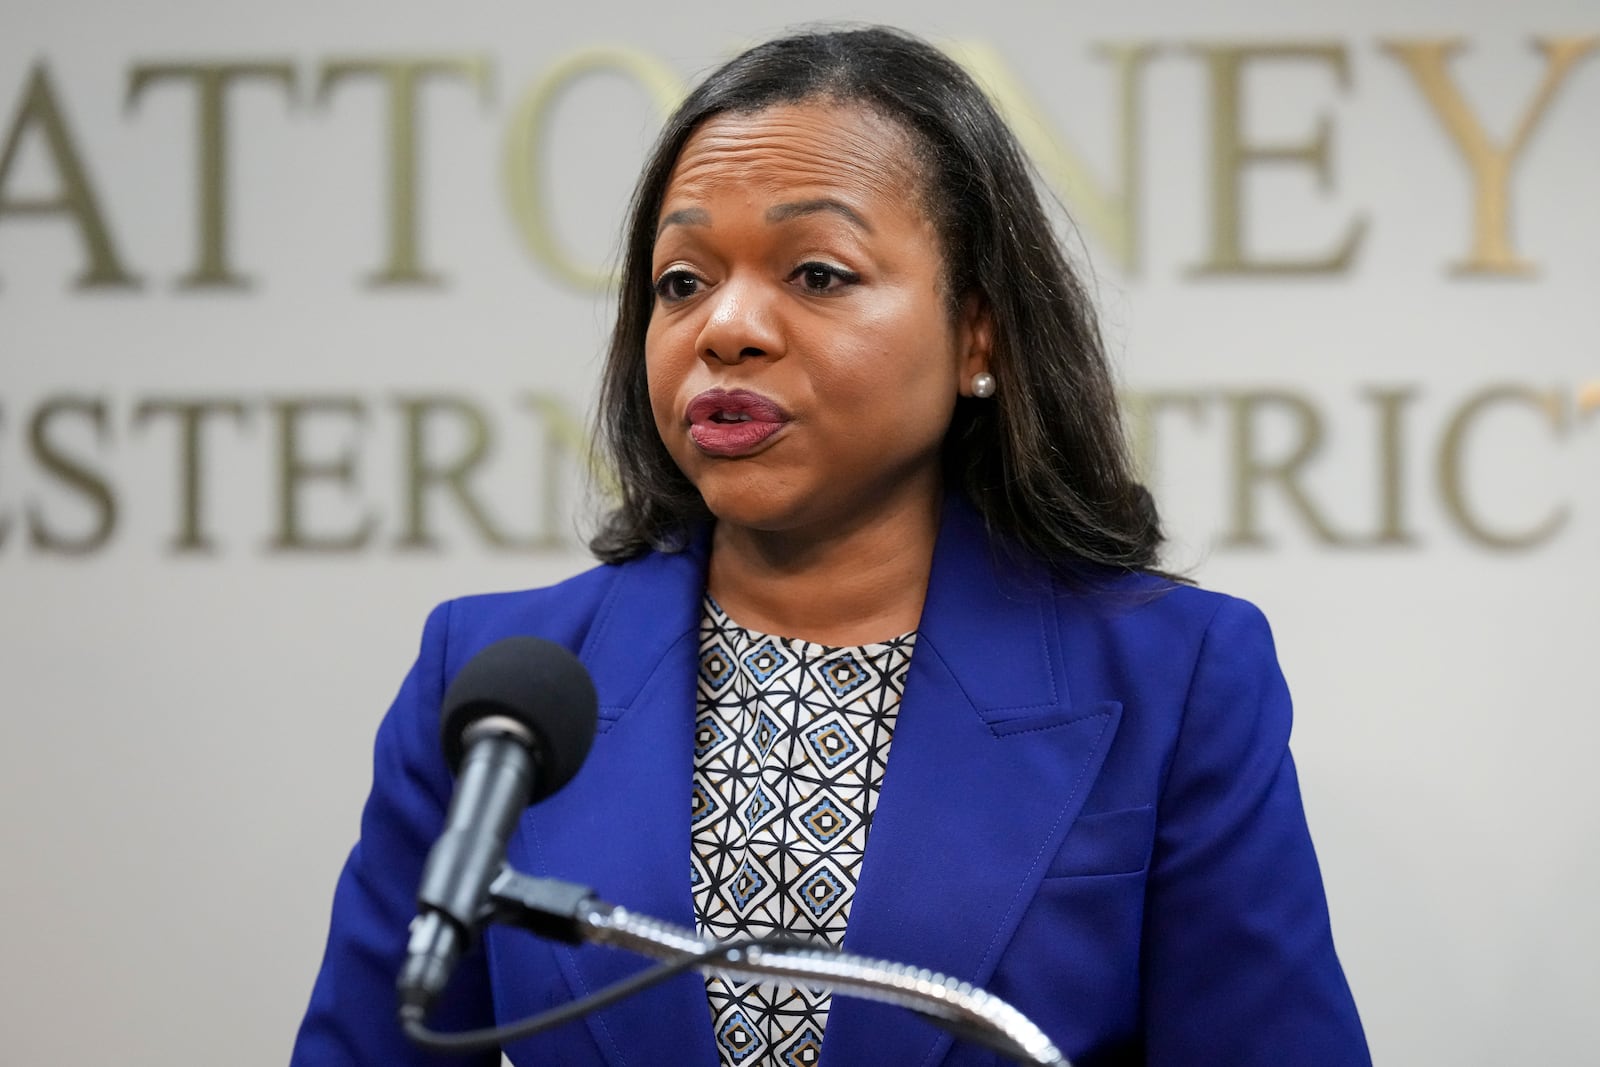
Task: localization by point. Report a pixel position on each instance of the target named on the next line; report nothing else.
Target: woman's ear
(975, 339)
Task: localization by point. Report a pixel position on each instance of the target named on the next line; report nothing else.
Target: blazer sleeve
(1239, 962)
(351, 1019)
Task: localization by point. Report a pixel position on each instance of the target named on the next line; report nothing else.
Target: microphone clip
(552, 909)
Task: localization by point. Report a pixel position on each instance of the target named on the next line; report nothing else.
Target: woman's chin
(744, 515)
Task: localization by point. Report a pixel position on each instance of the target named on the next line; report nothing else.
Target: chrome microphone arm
(954, 1004)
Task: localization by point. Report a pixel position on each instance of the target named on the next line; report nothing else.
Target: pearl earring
(983, 385)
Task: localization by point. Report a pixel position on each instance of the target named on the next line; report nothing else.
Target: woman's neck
(853, 584)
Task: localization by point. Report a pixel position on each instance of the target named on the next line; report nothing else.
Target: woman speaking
(884, 655)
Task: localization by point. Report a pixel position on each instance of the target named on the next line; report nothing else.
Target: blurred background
(301, 309)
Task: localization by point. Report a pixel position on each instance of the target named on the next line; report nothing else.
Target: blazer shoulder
(1151, 636)
(562, 613)
(1145, 600)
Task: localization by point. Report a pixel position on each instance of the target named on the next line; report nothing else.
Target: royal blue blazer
(1090, 810)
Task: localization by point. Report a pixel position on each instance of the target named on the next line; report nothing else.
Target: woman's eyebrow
(785, 212)
(689, 216)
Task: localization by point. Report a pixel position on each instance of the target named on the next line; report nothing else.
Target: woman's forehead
(821, 145)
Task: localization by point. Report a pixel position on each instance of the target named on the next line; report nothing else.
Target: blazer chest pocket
(1106, 842)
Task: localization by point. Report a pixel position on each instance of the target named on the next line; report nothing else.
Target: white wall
(184, 734)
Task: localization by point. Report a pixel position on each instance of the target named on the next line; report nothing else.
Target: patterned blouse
(791, 740)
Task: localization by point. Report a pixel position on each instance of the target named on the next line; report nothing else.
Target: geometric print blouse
(791, 741)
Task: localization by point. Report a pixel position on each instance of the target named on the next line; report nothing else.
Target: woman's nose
(742, 323)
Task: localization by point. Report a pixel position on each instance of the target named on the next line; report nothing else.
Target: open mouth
(733, 423)
(724, 407)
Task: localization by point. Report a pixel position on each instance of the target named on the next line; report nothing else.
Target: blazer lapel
(622, 825)
(989, 765)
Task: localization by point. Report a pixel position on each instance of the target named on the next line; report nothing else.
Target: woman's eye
(676, 285)
(822, 278)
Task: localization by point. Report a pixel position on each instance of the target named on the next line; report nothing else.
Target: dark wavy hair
(1044, 460)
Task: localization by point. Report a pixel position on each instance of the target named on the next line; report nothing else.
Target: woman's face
(802, 359)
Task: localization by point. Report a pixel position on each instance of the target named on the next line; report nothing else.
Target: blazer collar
(989, 765)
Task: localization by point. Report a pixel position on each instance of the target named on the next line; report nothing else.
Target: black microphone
(516, 723)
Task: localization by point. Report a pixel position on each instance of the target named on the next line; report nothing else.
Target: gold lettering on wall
(191, 417)
(75, 198)
(1232, 154)
(1252, 471)
(564, 440)
(426, 475)
(1452, 466)
(1111, 213)
(211, 83)
(1260, 454)
(526, 187)
(1428, 63)
(72, 473)
(297, 472)
(403, 78)
(1391, 405)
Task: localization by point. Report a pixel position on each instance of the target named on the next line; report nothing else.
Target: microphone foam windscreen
(538, 684)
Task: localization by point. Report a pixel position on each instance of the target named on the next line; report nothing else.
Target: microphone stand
(572, 913)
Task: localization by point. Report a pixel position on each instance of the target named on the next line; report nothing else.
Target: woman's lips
(734, 422)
